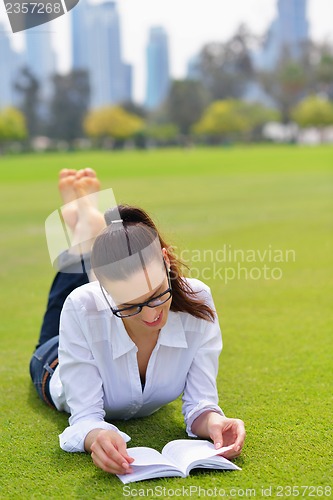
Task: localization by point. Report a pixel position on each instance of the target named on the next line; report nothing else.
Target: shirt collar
(171, 335)
(121, 341)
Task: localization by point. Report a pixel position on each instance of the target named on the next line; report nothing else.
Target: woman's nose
(149, 314)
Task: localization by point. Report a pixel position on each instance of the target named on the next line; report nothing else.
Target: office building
(128, 82)
(9, 60)
(286, 35)
(193, 71)
(158, 72)
(96, 47)
(40, 57)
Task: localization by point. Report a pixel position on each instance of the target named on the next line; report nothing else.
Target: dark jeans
(45, 357)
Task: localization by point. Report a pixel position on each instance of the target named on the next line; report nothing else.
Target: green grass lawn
(276, 365)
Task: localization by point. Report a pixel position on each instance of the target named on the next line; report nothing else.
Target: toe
(86, 185)
(80, 174)
(89, 172)
(66, 172)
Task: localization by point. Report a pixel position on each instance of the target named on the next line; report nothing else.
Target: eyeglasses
(160, 299)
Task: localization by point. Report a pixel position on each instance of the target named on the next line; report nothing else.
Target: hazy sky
(189, 23)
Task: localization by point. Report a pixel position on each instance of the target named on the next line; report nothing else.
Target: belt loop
(46, 381)
(48, 369)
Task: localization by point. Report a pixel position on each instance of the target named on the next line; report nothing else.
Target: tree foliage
(226, 68)
(314, 111)
(286, 85)
(69, 105)
(233, 117)
(28, 86)
(324, 69)
(185, 103)
(112, 121)
(292, 80)
(163, 133)
(12, 125)
(135, 109)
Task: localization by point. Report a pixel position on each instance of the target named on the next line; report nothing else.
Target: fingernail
(125, 465)
(237, 448)
(217, 445)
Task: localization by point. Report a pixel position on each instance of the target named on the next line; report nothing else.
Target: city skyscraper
(9, 62)
(40, 57)
(96, 47)
(128, 82)
(287, 33)
(80, 35)
(192, 72)
(293, 25)
(158, 72)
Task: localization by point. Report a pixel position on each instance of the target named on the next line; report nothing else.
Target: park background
(208, 74)
(208, 190)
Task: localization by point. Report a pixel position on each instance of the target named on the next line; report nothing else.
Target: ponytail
(129, 214)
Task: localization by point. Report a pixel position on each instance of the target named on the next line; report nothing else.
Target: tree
(112, 122)
(225, 69)
(185, 103)
(221, 119)
(163, 134)
(314, 111)
(292, 80)
(135, 109)
(69, 105)
(28, 86)
(324, 69)
(286, 84)
(12, 125)
(233, 118)
(258, 115)
(138, 110)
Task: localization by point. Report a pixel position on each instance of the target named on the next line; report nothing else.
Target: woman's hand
(108, 451)
(225, 431)
(222, 431)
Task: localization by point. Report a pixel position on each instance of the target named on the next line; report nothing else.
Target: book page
(149, 472)
(148, 456)
(148, 463)
(187, 452)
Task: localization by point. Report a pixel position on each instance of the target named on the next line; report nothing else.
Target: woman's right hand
(108, 451)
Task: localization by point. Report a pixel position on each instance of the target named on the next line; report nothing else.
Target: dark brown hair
(135, 233)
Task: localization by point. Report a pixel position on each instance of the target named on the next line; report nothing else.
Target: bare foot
(66, 179)
(85, 172)
(86, 182)
(68, 195)
(90, 221)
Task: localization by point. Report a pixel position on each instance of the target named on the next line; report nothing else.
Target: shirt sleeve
(200, 393)
(81, 380)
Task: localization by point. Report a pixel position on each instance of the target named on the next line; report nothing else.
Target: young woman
(132, 340)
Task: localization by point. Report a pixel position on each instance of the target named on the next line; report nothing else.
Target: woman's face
(153, 281)
(151, 318)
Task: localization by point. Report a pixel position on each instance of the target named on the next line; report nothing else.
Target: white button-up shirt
(98, 378)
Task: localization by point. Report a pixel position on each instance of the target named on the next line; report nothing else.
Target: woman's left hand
(225, 431)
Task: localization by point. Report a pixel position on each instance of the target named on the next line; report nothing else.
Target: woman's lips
(155, 323)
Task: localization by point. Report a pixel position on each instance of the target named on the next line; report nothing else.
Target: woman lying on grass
(130, 341)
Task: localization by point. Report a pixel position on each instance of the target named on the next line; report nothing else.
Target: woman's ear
(166, 258)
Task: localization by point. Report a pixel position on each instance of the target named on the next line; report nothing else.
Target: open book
(178, 458)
